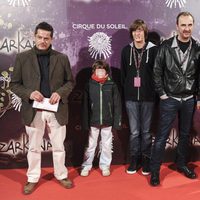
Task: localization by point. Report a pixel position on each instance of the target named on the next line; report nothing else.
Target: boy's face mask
(100, 73)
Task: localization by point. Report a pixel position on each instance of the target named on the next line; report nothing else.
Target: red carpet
(118, 186)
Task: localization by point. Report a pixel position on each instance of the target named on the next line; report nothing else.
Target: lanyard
(138, 60)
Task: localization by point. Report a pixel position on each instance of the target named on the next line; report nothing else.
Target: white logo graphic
(19, 2)
(99, 45)
(171, 3)
(16, 102)
(8, 99)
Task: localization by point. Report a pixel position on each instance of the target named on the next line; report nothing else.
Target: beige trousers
(57, 134)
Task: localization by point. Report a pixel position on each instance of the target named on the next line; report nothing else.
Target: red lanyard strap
(138, 60)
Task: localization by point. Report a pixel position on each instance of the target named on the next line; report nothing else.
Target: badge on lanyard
(137, 81)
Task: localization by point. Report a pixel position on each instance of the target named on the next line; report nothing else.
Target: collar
(148, 45)
(99, 80)
(42, 52)
(174, 43)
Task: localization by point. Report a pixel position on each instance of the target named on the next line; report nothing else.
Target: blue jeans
(168, 111)
(140, 115)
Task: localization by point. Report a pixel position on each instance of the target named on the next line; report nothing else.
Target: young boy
(101, 114)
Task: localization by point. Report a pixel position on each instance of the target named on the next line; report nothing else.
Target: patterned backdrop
(84, 30)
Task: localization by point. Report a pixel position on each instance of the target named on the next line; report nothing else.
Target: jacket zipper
(138, 93)
(109, 104)
(100, 104)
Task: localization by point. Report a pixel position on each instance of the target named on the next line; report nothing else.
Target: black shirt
(183, 45)
(43, 61)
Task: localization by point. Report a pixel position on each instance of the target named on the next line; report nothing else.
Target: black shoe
(187, 172)
(155, 180)
(145, 165)
(134, 165)
(132, 169)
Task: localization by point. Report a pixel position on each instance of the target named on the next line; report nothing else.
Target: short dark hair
(101, 64)
(138, 23)
(44, 26)
(184, 14)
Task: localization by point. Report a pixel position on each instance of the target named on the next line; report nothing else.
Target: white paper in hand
(45, 105)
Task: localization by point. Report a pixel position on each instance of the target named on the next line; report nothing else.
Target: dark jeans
(168, 110)
(140, 115)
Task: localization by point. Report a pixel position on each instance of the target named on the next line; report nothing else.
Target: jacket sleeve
(85, 111)
(158, 71)
(16, 84)
(198, 78)
(117, 108)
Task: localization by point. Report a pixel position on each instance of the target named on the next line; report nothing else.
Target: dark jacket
(128, 71)
(168, 76)
(101, 105)
(26, 78)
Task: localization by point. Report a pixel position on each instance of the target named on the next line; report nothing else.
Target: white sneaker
(106, 172)
(84, 172)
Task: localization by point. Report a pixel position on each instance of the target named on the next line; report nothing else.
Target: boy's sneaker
(106, 172)
(145, 166)
(85, 172)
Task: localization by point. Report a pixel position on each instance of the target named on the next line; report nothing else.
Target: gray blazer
(26, 79)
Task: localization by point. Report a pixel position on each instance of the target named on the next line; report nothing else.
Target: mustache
(42, 44)
(186, 31)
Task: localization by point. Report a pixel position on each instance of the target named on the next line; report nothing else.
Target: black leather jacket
(169, 78)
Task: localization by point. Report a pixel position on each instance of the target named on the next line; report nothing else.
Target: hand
(55, 97)
(36, 96)
(198, 105)
(163, 97)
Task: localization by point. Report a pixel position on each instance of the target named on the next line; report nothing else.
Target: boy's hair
(100, 64)
(44, 26)
(138, 23)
